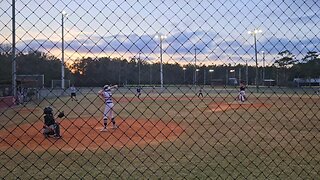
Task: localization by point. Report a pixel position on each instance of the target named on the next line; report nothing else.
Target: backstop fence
(160, 89)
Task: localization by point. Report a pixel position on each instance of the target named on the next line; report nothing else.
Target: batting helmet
(106, 87)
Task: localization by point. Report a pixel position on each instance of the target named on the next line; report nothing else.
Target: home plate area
(82, 134)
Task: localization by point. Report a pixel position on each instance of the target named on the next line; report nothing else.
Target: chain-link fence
(159, 89)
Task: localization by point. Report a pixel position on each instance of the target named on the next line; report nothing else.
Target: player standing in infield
(106, 94)
(73, 93)
(242, 94)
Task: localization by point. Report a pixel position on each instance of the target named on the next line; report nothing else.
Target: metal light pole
(161, 37)
(184, 75)
(246, 71)
(240, 78)
(139, 61)
(150, 73)
(227, 77)
(247, 74)
(197, 70)
(63, 15)
(263, 66)
(119, 74)
(195, 66)
(204, 77)
(211, 72)
(254, 33)
(14, 65)
(233, 71)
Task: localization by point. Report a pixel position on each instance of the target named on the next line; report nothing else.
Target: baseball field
(170, 133)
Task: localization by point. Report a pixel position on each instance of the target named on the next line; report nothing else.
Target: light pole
(150, 71)
(211, 72)
(13, 52)
(195, 66)
(254, 33)
(239, 73)
(197, 70)
(139, 61)
(227, 77)
(247, 74)
(63, 15)
(263, 66)
(119, 74)
(246, 70)
(161, 37)
(233, 71)
(204, 76)
(184, 75)
(234, 75)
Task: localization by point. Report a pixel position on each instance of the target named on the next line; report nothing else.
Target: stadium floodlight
(161, 37)
(63, 16)
(254, 33)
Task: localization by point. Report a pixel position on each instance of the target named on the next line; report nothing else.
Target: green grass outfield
(280, 141)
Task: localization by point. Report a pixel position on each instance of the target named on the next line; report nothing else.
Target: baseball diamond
(83, 133)
(177, 89)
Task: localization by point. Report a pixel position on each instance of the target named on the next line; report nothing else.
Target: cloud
(186, 42)
(275, 45)
(179, 46)
(306, 19)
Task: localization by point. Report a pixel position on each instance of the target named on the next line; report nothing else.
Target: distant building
(232, 81)
(306, 82)
(269, 82)
(217, 82)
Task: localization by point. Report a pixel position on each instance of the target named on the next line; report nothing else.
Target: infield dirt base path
(82, 134)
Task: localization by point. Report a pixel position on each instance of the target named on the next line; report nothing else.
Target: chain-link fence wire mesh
(205, 89)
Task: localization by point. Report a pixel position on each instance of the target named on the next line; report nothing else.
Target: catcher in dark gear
(51, 127)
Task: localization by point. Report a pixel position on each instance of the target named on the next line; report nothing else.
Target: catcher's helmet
(47, 110)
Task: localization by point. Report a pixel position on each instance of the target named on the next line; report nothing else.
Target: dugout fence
(179, 67)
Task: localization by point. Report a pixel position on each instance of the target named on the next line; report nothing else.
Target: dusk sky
(218, 29)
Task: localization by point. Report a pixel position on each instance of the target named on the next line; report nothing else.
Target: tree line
(99, 71)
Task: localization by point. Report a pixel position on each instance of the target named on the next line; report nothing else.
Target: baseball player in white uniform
(242, 94)
(108, 111)
(73, 93)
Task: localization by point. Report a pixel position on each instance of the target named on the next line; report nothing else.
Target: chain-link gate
(159, 89)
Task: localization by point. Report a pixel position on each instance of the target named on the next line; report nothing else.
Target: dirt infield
(82, 134)
(223, 106)
(6, 102)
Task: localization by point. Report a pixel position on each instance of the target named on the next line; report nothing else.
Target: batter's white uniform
(242, 94)
(108, 110)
